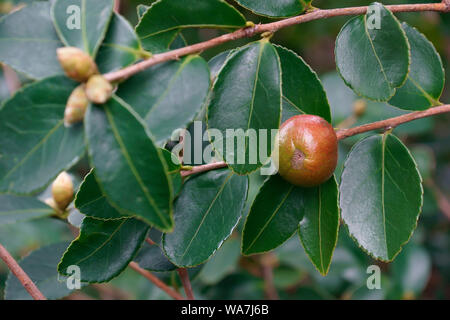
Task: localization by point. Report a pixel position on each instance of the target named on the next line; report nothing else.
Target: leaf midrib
(133, 169)
(222, 187)
(270, 219)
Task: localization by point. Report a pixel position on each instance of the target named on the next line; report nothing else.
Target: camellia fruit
(306, 154)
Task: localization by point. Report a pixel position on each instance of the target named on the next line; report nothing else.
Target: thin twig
(261, 28)
(156, 281)
(117, 6)
(268, 261)
(11, 78)
(21, 275)
(345, 133)
(184, 276)
(392, 122)
(203, 168)
(150, 241)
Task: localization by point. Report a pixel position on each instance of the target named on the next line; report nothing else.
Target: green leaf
(247, 95)
(92, 202)
(206, 212)
(34, 144)
(373, 59)
(425, 82)
(216, 63)
(168, 96)
(302, 89)
(89, 31)
(161, 23)
(125, 158)
(381, 195)
(18, 209)
(40, 266)
(151, 257)
(223, 263)
(28, 41)
(319, 227)
(121, 46)
(104, 248)
(174, 170)
(141, 9)
(274, 216)
(276, 8)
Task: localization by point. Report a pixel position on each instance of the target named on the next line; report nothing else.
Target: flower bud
(98, 89)
(76, 64)
(62, 191)
(359, 107)
(76, 106)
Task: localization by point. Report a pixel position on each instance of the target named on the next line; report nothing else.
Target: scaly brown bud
(98, 89)
(76, 106)
(62, 191)
(76, 64)
(359, 107)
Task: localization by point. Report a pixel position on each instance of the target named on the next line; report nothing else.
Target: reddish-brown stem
(184, 276)
(117, 6)
(21, 275)
(150, 241)
(156, 281)
(392, 122)
(261, 28)
(203, 168)
(345, 133)
(11, 78)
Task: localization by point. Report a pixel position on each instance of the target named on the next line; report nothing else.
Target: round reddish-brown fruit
(307, 150)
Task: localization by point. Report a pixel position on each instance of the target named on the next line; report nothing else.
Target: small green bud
(76, 64)
(76, 106)
(98, 89)
(62, 191)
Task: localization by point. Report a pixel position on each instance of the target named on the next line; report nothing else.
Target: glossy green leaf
(425, 82)
(161, 23)
(319, 227)
(276, 8)
(222, 263)
(206, 212)
(246, 97)
(274, 216)
(168, 96)
(381, 195)
(302, 89)
(125, 158)
(92, 202)
(151, 257)
(17, 209)
(34, 144)
(217, 62)
(121, 46)
(174, 170)
(141, 9)
(28, 41)
(372, 54)
(82, 23)
(104, 248)
(40, 265)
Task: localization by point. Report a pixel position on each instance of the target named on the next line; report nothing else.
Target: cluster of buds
(80, 67)
(62, 193)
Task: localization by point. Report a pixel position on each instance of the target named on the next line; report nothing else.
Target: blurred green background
(421, 271)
